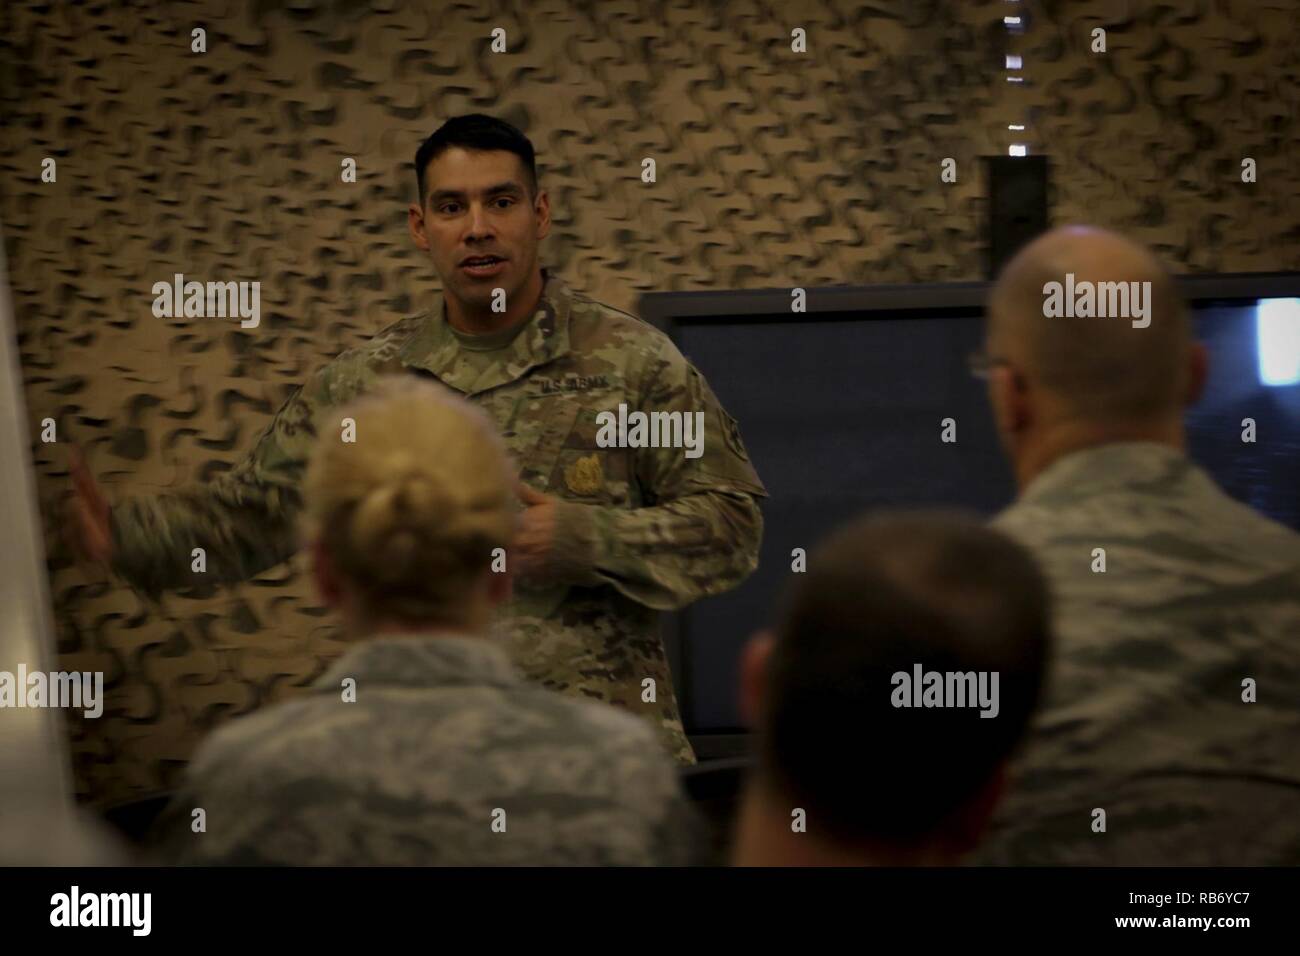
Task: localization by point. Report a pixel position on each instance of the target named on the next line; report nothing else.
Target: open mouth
(482, 265)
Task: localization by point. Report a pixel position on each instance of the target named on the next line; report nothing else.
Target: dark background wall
(773, 170)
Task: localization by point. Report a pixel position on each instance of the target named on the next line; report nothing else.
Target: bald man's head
(1123, 369)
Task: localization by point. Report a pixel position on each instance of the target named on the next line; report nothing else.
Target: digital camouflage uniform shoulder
(646, 781)
(355, 368)
(1145, 690)
(658, 376)
(584, 783)
(607, 334)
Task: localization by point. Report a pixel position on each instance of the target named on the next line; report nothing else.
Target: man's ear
(328, 583)
(415, 224)
(1009, 401)
(542, 206)
(753, 676)
(1198, 371)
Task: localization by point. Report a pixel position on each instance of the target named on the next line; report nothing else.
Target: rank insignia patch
(584, 476)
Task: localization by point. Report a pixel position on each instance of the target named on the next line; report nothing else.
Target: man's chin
(477, 298)
(476, 295)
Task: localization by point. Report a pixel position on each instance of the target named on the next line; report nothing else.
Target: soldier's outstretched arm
(700, 531)
(244, 520)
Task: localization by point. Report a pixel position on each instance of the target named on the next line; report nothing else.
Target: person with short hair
(616, 527)
(1171, 731)
(901, 673)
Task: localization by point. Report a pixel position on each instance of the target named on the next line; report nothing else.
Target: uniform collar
(436, 350)
(415, 660)
(1130, 465)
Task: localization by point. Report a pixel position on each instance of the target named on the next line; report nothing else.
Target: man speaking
(609, 534)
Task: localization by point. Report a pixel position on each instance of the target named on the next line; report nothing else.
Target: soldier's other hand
(86, 522)
(535, 537)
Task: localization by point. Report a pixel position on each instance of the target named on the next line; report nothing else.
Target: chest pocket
(553, 441)
(583, 470)
(534, 430)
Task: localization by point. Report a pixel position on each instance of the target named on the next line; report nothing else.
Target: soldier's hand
(86, 522)
(535, 537)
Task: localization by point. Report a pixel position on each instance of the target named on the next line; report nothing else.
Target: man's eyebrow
(509, 187)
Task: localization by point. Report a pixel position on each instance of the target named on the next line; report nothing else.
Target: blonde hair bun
(411, 511)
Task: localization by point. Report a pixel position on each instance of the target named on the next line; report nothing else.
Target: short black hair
(481, 133)
(880, 596)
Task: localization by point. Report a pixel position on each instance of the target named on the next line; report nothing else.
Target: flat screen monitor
(842, 410)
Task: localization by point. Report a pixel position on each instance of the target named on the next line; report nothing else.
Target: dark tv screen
(846, 414)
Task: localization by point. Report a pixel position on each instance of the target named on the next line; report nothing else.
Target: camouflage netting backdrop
(774, 169)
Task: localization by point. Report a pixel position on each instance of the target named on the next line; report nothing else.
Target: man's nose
(479, 227)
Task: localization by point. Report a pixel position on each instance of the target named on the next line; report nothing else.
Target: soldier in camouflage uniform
(1196, 612)
(612, 535)
(446, 758)
(423, 745)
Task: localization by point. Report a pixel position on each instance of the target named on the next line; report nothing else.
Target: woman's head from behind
(406, 517)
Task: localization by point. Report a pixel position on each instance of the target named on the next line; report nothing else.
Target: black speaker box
(1017, 190)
